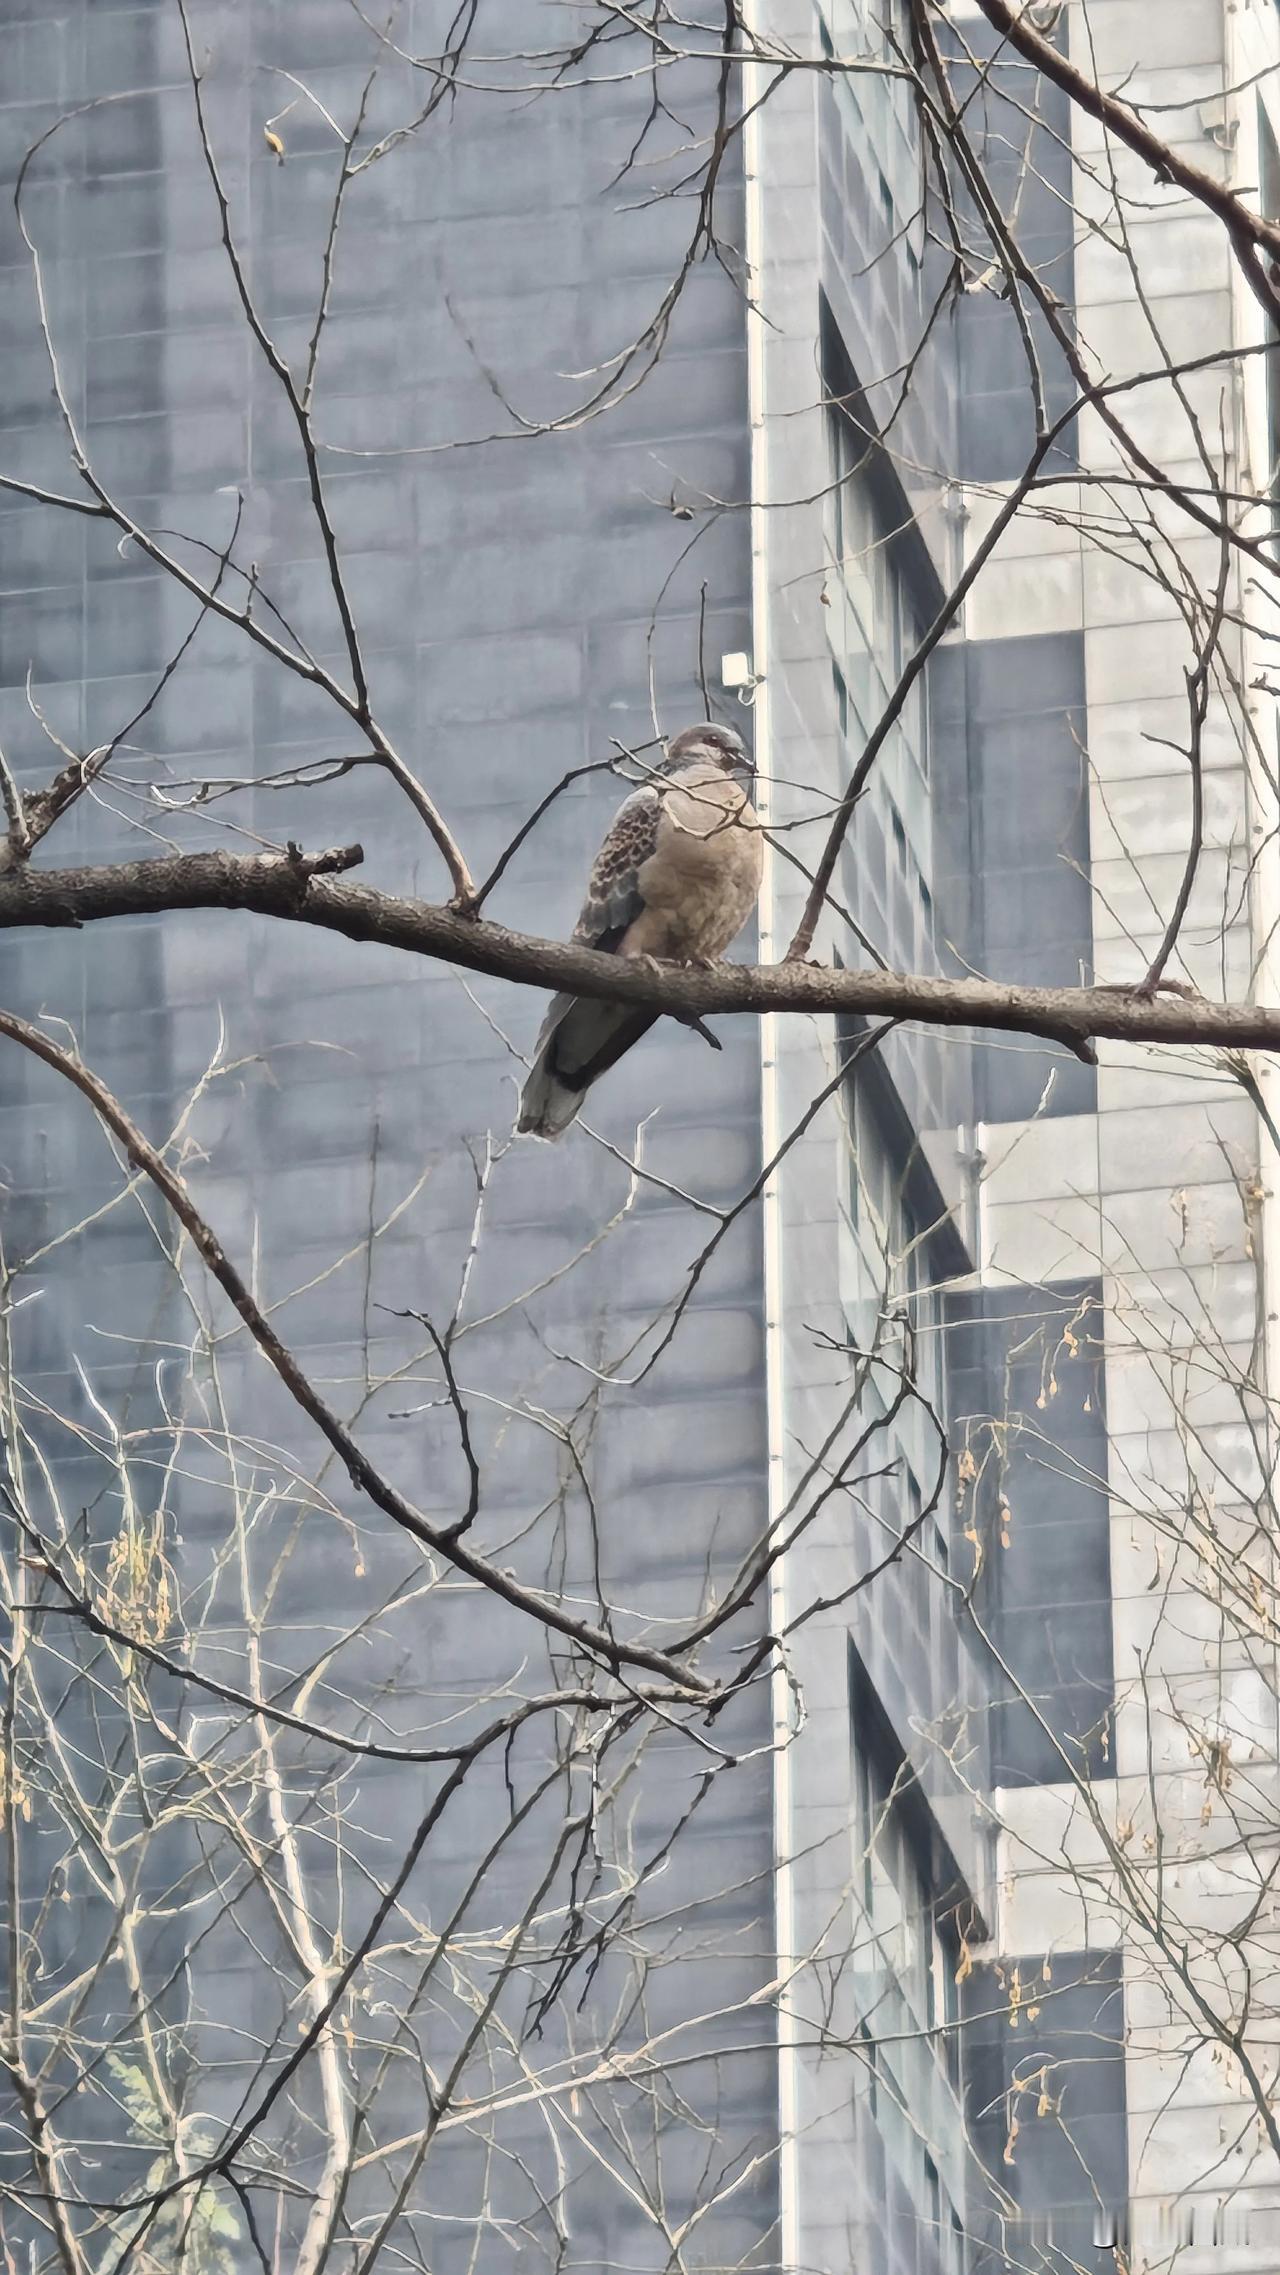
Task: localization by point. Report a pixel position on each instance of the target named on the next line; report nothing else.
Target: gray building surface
(846, 1954)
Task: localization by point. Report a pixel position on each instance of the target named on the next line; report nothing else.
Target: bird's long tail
(581, 1039)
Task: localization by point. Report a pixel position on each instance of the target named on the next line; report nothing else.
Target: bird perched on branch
(676, 879)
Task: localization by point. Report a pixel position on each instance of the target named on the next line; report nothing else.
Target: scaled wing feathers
(613, 890)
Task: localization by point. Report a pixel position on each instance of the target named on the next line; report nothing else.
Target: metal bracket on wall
(737, 675)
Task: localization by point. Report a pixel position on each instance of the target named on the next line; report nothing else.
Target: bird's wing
(614, 899)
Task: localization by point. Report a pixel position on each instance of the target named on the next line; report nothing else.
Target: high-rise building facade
(1082, 1893)
(927, 1957)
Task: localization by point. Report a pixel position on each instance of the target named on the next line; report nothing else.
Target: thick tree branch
(1250, 233)
(305, 889)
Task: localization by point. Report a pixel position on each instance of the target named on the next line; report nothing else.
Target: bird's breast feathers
(700, 883)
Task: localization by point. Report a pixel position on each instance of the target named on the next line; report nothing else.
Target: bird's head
(711, 743)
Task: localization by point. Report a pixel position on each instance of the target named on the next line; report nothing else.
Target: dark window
(873, 623)
(1029, 1405)
(906, 1898)
(871, 2066)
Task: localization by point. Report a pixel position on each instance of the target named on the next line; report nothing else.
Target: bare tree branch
(301, 888)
